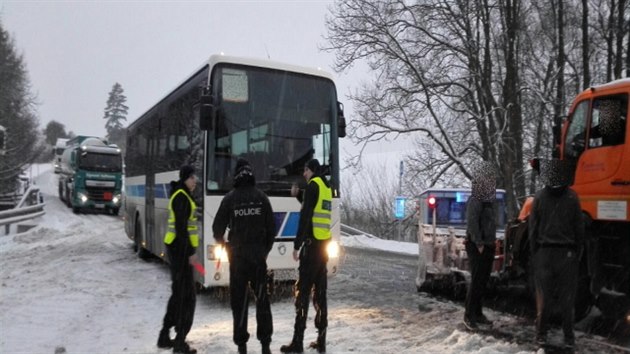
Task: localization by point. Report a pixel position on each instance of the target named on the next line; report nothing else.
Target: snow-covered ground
(72, 284)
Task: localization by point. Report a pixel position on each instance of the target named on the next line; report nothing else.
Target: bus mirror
(205, 112)
(341, 121)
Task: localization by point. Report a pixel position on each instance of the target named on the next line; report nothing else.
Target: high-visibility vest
(193, 229)
(322, 220)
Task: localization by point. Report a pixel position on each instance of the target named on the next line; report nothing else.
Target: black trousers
(555, 276)
(312, 278)
(180, 310)
(480, 268)
(248, 267)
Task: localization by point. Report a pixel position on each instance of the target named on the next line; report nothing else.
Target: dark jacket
(309, 202)
(248, 213)
(481, 227)
(556, 219)
(181, 246)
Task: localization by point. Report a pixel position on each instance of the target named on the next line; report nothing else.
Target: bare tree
(369, 206)
(585, 46)
(472, 79)
(445, 75)
(620, 31)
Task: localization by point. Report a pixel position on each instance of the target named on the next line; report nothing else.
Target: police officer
(480, 238)
(248, 213)
(181, 241)
(310, 246)
(556, 234)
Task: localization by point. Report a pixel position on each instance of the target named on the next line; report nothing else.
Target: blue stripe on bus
(139, 190)
(278, 218)
(290, 229)
(160, 191)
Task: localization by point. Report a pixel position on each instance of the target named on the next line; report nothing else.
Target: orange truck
(595, 137)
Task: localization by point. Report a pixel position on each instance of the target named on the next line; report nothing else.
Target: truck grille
(100, 194)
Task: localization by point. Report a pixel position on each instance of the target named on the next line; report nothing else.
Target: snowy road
(73, 283)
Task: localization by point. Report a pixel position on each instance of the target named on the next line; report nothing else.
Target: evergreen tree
(53, 131)
(17, 115)
(115, 114)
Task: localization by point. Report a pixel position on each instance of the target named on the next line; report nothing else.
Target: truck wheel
(140, 251)
(75, 210)
(115, 211)
(60, 188)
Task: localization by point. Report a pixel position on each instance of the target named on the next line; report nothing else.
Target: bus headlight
(333, 249)
(217, 252)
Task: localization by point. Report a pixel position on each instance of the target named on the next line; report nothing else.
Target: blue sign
(399, 207)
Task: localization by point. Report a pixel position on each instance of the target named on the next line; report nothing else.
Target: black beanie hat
(241, 164)
(185, 172)
(313, 165)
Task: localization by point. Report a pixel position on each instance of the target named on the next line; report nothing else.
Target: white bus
(277, 116)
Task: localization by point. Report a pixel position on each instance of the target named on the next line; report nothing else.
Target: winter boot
(164, 340)
(296, 345)
(181, 347)
(320, 343)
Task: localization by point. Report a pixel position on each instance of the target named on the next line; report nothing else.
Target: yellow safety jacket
(193, 229)
(322, 213)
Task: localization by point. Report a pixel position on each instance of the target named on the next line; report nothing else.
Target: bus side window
(575, 141)
(608, 123)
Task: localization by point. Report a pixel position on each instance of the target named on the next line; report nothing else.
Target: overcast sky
(76, 50)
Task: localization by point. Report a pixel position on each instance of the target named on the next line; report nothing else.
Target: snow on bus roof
(269, 64)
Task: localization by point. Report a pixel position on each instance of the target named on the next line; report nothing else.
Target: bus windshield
(277, 120)
(100, 162)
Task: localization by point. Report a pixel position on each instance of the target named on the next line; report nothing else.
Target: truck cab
(91, 175)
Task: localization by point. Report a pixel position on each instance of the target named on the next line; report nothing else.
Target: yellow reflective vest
(322, 220)
(193, 228)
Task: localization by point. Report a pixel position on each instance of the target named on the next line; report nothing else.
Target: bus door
(153, 241)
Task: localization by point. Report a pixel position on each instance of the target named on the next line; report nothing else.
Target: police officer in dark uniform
(310, 248)
(480, 241)
(556, 234)
(181, 239)
(248, 213)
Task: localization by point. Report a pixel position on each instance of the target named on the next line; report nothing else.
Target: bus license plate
(285, 274)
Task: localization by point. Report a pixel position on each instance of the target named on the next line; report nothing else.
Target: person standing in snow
(556, 235)
(310, 248)
(480, 241)
(248, 213)
(181, 239)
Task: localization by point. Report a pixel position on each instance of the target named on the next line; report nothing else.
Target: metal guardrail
(30, 206)
(351, 231)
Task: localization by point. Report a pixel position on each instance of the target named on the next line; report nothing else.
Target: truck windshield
(100, 162)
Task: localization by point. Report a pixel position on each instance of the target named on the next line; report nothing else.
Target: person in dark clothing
(556, 234)
(310, 248)
(248, 213)
(480, 241)
(181, 241)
